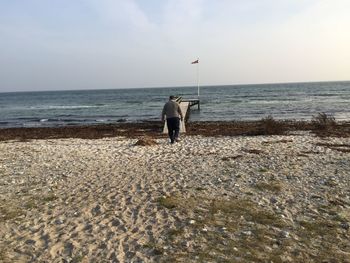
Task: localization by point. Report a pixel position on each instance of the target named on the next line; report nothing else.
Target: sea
(293, 101)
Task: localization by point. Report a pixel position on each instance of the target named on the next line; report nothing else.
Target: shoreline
(154, 129)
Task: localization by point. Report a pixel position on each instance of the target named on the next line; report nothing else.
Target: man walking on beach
(173, 114)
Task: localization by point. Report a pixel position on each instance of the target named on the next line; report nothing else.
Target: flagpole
(197, 69)
(198, 77)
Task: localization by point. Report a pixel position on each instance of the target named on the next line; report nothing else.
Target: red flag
(195, 62)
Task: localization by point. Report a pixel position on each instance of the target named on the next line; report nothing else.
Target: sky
(111, 44)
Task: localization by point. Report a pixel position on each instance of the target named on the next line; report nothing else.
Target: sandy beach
(275, 198)
(93, 94)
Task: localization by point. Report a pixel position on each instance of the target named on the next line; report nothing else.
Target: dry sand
(109, 200)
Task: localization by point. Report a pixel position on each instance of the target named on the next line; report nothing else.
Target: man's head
(171, 97)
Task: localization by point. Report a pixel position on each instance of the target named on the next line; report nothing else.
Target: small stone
(30, 242)
(345, 225)
(284, 234)
(192, 222)
(267, 248)
(58, 222)
(273, 200)
(247, 233)
(185, 244)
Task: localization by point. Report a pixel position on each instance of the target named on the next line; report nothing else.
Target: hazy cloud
(135, 43)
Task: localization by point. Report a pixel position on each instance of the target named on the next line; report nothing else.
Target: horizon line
(179, 86)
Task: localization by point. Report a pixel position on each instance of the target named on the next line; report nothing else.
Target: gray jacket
(171, 109)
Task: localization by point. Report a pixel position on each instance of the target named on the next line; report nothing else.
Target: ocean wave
(280, 101)
(63, 107)
(217, 103)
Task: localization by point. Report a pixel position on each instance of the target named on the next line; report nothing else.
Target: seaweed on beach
(146, 142)
(322, 125)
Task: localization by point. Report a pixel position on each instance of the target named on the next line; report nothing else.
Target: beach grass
(272, 186)
(13, 210)
(169, 202)
(218, 224)
(239, 230)
(323, 121)
(49, 198)
(3, 255)
(271, 126)
(9, 211)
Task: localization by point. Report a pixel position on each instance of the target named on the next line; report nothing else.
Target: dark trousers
(173, 128)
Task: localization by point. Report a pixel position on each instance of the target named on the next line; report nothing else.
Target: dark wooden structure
(193, 102)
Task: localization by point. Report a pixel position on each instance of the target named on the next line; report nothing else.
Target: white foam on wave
(62, 107)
